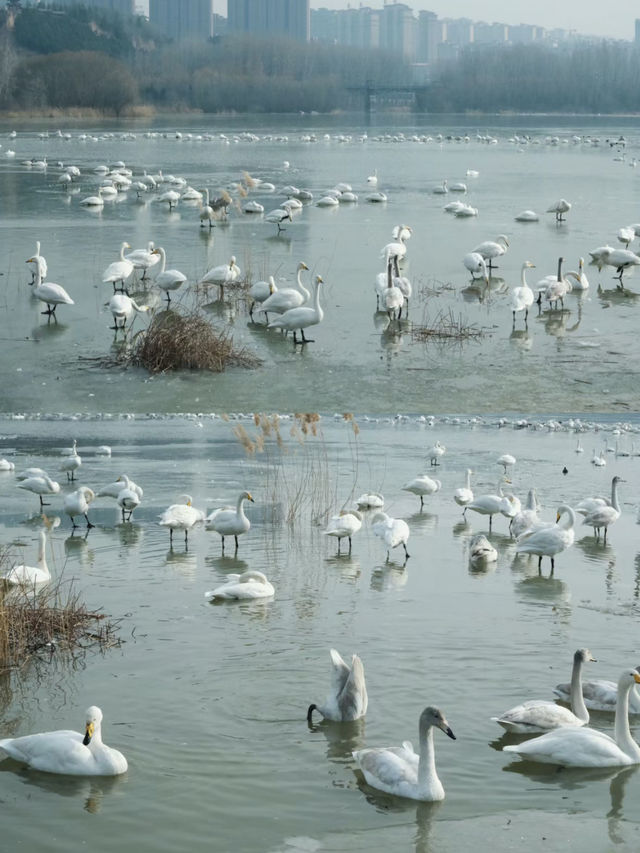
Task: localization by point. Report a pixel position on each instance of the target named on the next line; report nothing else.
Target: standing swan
(118, 271)
(549, 541)
(522, 297)
(49, 293)
(540, 715)
(167, 280)
(348, 699)
(299, 319)
(287, 298)
(181, 516)
(605, 514)
(585, 747)
(392, 531)
(464, 495)
(67, 752)
(398, 770)
(230, 522)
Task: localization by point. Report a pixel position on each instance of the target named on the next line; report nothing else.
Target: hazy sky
(613, 21)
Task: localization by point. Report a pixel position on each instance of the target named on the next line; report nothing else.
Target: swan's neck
(614, 495)
(301, 286)
(560, 269)
(42, 560)
(163, 259)
(389, 280)
(240, 506)
(531, 500)
(523, 279)
(316, 303)
(427, 776)
(622, 731)
(577, 699)
(568, 519)
(468, 481)
(122, 248)
(206, 197)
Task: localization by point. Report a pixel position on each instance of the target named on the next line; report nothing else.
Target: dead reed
(445, 325)
(186, 340)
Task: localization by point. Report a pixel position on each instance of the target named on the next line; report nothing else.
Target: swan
(71, 463)
(435, 452)
(600, 695)
(261, 291)
(31, 472)
(287, 298)
(348, 698)
(522, 297)
(598, 459)
(559, 208)
(128, 500)
(626, 235)
(40, 485)
(527, 216)
(377, 197)
(488, 504)
(5, 465)
(347, 523)
(392, 531)
(248, 585)
(38, 260)
(421, 486)
(252, 207)
(49, 293)
(143, 259)
(466, 210)
(77, 503)
(549, 541)
(93, 200)
(481, 551)
(587, 505)
(230, 522)
(222, 274)
(540, 715)
(492, 249)
(458, 187)
(597, 254)
(621, 259)
(579, 448)
(402, 283)
(579, 279)
(399, 770)
(373, 179)
(527, 518)
(584, 747)
(171, 197)
(278, 216)
(370, 500)
(122, 308)
(119, 271)
(68, 752)
(464, 494)
(554, 289)
(475, 263)
(441, 189)
(29, 576)
(207, 214)
(506, 460)
(181, 516)
(392, 296)
(167, 280)
(299, 319)
(605, 514)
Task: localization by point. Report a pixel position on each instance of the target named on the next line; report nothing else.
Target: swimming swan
(29, 576)
(584, 747)
(347, 700)
(600, 695)
(68, 752)
(540, 715)
(400, 771)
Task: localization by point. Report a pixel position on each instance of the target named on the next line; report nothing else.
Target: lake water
(208, 702)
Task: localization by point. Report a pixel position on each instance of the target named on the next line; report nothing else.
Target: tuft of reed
(51, 619)
(445, 325)
(186, 340)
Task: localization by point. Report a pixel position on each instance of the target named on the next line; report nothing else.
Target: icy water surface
(208, 702)
(580, 359)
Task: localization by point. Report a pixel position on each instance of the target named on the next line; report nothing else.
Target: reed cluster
(445, 325)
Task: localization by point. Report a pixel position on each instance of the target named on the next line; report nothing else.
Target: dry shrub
(179, 341)
(49, 620)
(446, 326)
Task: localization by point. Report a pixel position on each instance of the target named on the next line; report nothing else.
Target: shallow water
(581, 359)
(208, 702)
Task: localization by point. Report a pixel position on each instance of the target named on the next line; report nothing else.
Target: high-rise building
(637, 39)
(359, 27)
(484, 33)
(429, 36)
(182, 19)
(324, 25)
(524, 34)
(123, 7)
(398, 30)
(270, 17)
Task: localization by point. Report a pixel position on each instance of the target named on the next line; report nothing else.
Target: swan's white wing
(386, 768)
(536, 715)
(353, 700)
(574, 747)
(340, 673)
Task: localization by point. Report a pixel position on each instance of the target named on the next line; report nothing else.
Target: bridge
(371, 92)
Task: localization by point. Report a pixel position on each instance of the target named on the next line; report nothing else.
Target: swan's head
(302, 266)
(379, 516)
(617, 479)
(247, 497)
(583, 655)
(434, 717)
(628, 678)
(319, 279)
(185, 499)
(232, 261)
(502, 238)
(88, 493)
(527, 265)
(93, 719)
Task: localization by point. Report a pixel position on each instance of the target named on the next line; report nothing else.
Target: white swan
(181, 516)
(600, 695)
(299, 319)
(29, 576)
(373, 179)
(143, 259)
(585, 747)
(492, 249)
(580, 280)
(122, 308)
(527, 216)
(278, 216)
(207, 214)
(167, 280)
(348, 699)
(40, 485)
(400, 771)
(606, 514)
(38, 261)
(48, 292)
(421, 486)
(559, 207)
(522, 297)
(222, 275)
(128, 500)
(506, 460)
(489, 504)
(549, 541)
(6, 465)
(464, 494)
(77, 503)
(71, 463)
(481, 551)
(93, 200)
(118, 271)
(370, 500)
(540, 715)
(392, 296)
(392, 531)
(113, 489)
(261, 291)
(441, 189)
(287, 298)
(587, 505)
(248, 585)
(68, 752)
(526, 518)
(435, 452)
(228, 521)
(621, 259)
(346, 524)
(475, 263)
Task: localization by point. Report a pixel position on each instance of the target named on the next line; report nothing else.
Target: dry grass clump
(49, 620)
(446, 326)
(186, 341)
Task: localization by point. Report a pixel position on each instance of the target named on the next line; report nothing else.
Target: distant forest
(90, 58)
